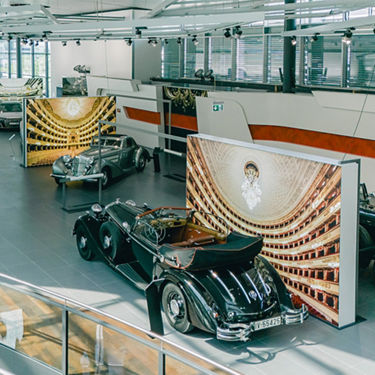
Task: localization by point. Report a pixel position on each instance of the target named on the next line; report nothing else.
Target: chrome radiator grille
(79, 165)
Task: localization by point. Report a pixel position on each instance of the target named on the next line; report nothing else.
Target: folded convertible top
(238, 249)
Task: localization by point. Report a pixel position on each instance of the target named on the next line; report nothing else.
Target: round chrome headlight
(231, 315)
(96, 209)
(66, 159)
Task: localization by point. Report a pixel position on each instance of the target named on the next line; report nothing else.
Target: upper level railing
(73, 338)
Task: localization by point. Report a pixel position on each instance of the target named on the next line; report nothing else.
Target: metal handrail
(52, 298)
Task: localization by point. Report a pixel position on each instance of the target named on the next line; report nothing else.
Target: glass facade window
(34, 59)
(250, 59)
(170, 60)
(324, 61)
(220, 57)
(275, 58)
(194, 59)
(362, 61)
(4, 59)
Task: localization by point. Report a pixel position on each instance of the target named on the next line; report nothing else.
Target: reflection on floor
(36, 245)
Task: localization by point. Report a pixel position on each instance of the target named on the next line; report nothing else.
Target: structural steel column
(18, 58)
(234, 46)
(289, 65)
(206, 53)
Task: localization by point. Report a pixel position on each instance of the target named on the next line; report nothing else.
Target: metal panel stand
(82, 206)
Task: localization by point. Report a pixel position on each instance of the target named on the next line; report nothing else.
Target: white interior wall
(105, 58)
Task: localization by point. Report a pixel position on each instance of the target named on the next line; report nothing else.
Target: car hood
(244, 291)
(94, 152)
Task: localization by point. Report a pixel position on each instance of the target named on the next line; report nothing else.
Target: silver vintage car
(120, 154)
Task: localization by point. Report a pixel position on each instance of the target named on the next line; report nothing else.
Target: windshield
(107, 142)
(10, 107)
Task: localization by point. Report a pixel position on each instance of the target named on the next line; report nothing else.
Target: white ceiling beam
(48, 14)
(332, 27)
(269, 7)
(206, 20)
(160, 8)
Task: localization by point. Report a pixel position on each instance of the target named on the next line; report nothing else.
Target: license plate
(267, 323)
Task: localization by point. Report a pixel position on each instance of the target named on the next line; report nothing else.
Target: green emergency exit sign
(217, 107)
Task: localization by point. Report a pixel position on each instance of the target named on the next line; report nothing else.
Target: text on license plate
(267, 323)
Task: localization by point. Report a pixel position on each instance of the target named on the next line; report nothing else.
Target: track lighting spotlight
(227, 33)
(179, 40)
(78, 42)
(237, 32)
(373, 31)
(64, 43)
(165, 41)
(24, 41)
(31, 42)
(314, 38)
(36, 43)
(195, 40)
(152, 42)
(347, 38)
(293, 40)
(138, 33)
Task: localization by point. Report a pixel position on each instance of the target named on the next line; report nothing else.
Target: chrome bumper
(242, 331)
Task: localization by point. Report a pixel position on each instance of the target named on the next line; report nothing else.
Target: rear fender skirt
(283, 295)
(199, 311)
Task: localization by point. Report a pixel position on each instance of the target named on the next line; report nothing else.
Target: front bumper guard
(242, 331)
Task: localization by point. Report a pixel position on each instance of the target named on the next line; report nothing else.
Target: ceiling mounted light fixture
(166, 41)
(227, 33)
(129, 42)
(195, 40)
(24, 41)
(179, 40)
(153, 42)
(78, 42)
(314, 38)
(293, 40)
(347, 38)
(237, 32)
(64, 43)
(138, 33)
(31, 42)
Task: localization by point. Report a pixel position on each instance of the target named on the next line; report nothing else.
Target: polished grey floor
(36, 245)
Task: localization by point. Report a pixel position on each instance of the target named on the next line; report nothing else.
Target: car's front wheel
(106, 179)
(85, 251)
(111, 239)
(141, 164)
(175, 308)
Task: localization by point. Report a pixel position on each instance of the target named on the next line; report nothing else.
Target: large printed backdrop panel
(293, 203)
(61, 126)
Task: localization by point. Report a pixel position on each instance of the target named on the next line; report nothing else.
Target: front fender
(200, 313)
(58, 167)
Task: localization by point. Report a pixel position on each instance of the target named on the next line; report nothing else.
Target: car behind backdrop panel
(61, 126)
(293, 203)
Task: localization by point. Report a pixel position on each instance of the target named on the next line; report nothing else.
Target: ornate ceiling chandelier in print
(250, 188)
(282, 179)
(61, 126)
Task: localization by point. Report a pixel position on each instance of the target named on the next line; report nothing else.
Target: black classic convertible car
(205, 278)
(120, 153)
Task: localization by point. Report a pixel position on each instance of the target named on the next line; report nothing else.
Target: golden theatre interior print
(61, 126)
(293, 203)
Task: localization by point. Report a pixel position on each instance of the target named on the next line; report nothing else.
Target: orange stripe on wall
(326, 141)
(178, 121)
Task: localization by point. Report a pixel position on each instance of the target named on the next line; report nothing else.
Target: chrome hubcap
(82, 242)
(107, 242)
(175, 306)
(105, 178)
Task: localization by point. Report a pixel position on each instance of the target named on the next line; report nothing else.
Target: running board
(128, 271)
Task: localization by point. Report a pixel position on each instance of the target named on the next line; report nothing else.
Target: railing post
(161, 370)
(64, 342)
